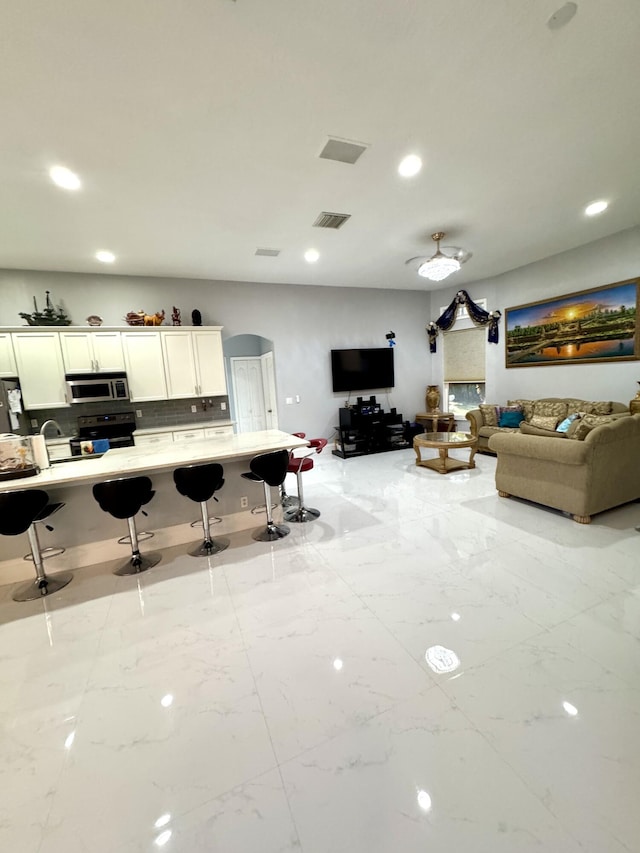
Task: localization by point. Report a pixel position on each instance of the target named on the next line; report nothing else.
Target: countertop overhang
(128, 461)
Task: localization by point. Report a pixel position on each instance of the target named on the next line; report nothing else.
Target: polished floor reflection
(427, 667)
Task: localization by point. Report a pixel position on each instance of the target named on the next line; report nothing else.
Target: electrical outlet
(288, 401)
(244, 502)
(34, 423)
(223, 406)
(138, 413)
(194, 409)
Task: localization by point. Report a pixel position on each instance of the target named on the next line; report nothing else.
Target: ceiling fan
(445, 261)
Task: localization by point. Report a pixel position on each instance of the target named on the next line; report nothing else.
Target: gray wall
(605, 261)
(303, 322)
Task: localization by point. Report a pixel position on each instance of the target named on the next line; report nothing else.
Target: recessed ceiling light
(311, 256)
(596, 207)
(410, 166)
(65, 178)
(105, 257)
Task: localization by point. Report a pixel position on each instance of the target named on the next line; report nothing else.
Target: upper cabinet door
(8, 367)
(77, 352)
(207, 347)
(179, 366)
(107, 351)
(41, 369)
(144, 366)
(91, 352)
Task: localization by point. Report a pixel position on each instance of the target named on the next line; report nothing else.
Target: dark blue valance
(478, 315)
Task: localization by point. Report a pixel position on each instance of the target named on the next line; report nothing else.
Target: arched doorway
(251, 381)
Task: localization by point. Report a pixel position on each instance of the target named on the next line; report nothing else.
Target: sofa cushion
(528, 429)
(549, 408)
(489, 414)
(525, 405)
(487, 431)
(544, 421)
(598, 407)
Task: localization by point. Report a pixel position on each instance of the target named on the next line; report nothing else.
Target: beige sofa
(482, 426)
(577, 477)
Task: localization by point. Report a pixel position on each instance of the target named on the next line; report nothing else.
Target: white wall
(304, 323)
(605, 261)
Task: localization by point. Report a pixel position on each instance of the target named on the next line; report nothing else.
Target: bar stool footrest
(45, 553)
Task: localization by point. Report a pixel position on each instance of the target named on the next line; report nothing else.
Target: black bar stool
(270, 469)
(285, 499)
(124, 498)
(298, 464)
(18, 512)
(41, 518)
(199, 483)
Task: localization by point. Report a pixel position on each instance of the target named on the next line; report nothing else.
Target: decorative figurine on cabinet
(196, 317)
(175, 317)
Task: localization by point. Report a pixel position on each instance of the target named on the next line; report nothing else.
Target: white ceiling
(196, 127)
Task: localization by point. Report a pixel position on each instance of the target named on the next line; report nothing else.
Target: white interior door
(248, 393)
(269, 389)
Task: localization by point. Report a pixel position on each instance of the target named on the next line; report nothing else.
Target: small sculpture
(196, 317)
(94, 320)
(175, 317)
(139, 318)
(49, 317)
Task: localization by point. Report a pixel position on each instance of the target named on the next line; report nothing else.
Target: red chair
(298, 464)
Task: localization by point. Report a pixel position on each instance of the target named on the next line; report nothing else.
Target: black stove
(117, 429)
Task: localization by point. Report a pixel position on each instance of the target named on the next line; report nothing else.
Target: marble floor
(427, 667)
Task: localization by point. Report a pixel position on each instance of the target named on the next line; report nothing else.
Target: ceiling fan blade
(461, 255)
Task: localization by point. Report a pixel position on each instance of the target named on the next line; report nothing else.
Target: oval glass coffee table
(443, 442)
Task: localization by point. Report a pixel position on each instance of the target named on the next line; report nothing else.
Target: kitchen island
(89, 534)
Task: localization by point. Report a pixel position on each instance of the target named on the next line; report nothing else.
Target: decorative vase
(433, 398)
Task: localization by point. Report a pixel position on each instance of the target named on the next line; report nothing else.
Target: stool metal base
(302, 514)
(271, 533)
(209, 547)
(45, 553)
(139, 563)
(40, 587)
(145, 534)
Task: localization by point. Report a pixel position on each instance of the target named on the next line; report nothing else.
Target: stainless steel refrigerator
(12, 421)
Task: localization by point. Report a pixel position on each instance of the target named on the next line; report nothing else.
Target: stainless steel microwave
(96, 387)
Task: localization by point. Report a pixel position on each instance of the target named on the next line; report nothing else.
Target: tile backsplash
(155, 414)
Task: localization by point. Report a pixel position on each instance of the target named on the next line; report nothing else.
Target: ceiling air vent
(331, 220)
(268, 253)
(343, 150)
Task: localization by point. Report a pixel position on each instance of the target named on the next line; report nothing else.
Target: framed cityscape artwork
(577, 328)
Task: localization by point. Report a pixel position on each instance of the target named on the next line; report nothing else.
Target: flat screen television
(362, 369)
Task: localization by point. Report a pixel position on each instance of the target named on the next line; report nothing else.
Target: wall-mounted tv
(362, 369)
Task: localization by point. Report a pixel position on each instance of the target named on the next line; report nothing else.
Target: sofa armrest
(476, 420)
(539, 447)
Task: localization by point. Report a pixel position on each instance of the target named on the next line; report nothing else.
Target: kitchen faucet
(44, 426)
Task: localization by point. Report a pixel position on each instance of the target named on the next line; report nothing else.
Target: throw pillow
(564, 425)
(527, 429)
(549, 408)
(596, 420)
(525, 405)
(489, 415)
(598, 407)
(571, 432)
(510, 418)
(582, 430)
(544, 421)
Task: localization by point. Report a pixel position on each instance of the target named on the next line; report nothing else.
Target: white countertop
(126, 461)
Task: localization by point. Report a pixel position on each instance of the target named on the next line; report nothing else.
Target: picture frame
(584, 327)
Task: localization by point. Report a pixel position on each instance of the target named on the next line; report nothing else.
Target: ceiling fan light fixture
(439, 266)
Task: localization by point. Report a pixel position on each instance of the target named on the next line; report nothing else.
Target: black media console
(367, 428)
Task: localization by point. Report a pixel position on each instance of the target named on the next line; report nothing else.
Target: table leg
(443, 460)
(416, 447)
(472, 455)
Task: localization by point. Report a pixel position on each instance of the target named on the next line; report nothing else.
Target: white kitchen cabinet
(144, 365)
(41, 369)
(149, 439)
(188, 434)
(8, 366)
(207, 350)
(216, 432)
(91, 352)
(194, 363)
